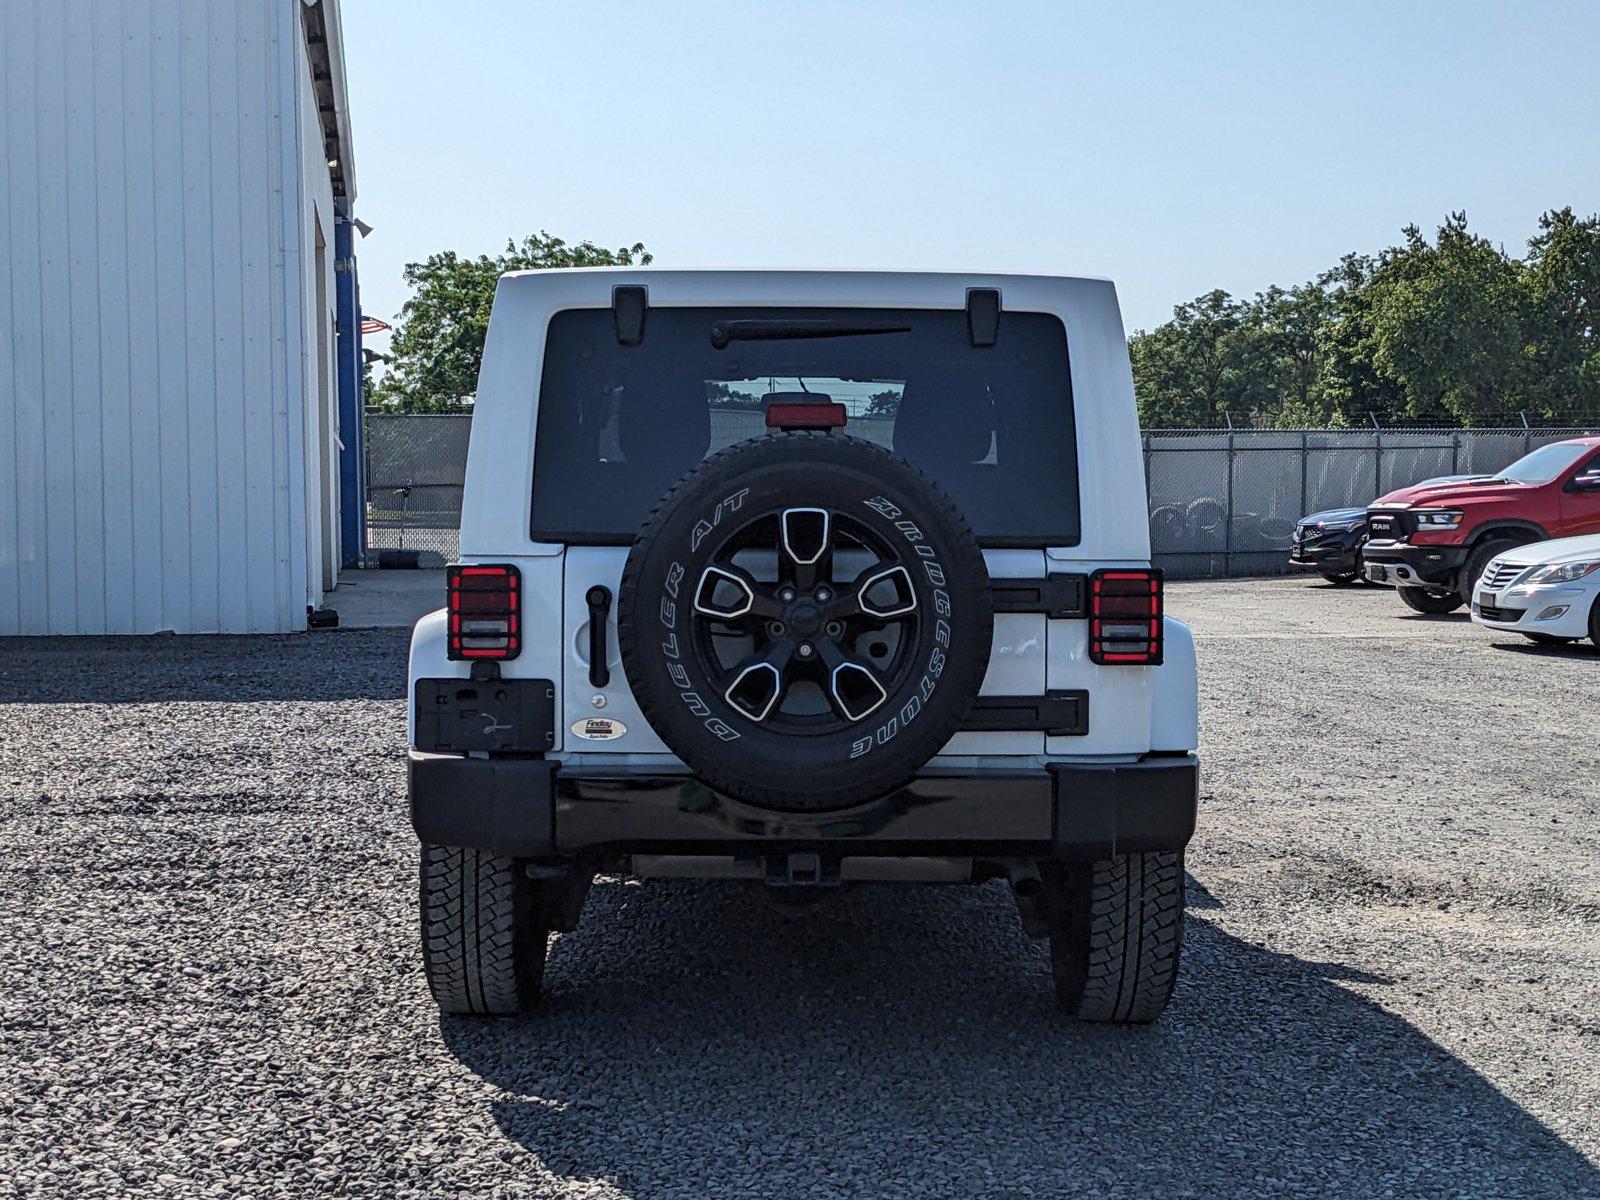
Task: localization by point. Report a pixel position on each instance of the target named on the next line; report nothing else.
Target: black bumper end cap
(1106, 809)
(505, 804)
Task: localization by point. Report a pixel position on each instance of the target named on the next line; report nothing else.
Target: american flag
(373, 325)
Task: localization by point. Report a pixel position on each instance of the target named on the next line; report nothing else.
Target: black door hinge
(1055, 714)
(1058, 596)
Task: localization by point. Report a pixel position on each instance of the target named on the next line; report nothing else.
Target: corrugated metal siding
(315, 279)
(150, 169)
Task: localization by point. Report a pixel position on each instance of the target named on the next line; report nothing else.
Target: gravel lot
(1389, 988)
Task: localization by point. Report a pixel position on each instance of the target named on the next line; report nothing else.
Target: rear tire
(1547, 639)
(1433, 603)
(484, 932)
(1115, 935)
(1339, 580)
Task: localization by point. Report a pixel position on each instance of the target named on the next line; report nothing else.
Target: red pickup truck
(1433, 540)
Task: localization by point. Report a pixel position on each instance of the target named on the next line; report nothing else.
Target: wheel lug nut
(835, 628)
(786, 595)
(805, 650)
(776, 628)
(824, 595)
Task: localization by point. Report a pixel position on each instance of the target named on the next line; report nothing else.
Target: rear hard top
(1034, 436)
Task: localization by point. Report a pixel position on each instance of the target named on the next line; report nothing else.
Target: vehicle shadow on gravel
(904, 1042)
(1582, 651)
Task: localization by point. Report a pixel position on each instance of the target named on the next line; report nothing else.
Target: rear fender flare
(429, 658)
(1175, 699)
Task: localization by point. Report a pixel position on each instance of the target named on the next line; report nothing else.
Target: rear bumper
(530, 808)
(1405, 565)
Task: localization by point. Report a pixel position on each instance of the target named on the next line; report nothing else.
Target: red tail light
(1125, 617)
(807, 416)
(485, 610)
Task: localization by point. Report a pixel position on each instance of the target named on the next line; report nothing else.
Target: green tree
(883, 404)
(1290, 354)
(1453, 329)
(1209, 359)
(437, 346)
(1562, 282)
(720, 395)
(1354, 390)
(1448, 325)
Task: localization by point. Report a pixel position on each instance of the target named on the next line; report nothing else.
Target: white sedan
(1546, 591)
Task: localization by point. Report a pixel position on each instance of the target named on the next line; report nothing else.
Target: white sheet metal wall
(153, 310)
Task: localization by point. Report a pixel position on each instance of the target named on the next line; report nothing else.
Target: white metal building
(172, 173)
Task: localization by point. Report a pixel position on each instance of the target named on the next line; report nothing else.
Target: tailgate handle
(599, 601)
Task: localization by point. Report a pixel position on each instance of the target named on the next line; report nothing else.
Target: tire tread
(483, 934)
(1118, 937)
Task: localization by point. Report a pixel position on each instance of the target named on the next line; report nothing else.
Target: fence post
(1227, 520)
(1377, 455)
(1305, 453)
(1527, 433)
(366, 485)
(1455, 453)
(1144, 438)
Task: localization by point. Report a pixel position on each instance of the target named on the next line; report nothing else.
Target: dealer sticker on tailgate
(598, 729)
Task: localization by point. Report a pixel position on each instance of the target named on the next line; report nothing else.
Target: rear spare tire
(805, 620)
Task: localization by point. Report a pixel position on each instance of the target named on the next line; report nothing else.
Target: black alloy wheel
(805, 620)
(757, 639)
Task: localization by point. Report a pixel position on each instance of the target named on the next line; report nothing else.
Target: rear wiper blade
(780, 329)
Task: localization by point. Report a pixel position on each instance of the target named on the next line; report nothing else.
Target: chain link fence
(1225, 502)
(415, 466)
(1222, 502)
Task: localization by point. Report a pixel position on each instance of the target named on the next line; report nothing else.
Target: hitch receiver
(801, 869)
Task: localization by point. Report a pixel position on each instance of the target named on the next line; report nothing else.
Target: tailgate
(1032, 656)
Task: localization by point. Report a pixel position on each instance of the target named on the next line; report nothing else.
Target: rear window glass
(992, 425)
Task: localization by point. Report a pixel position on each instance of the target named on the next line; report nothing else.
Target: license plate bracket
(455, 716)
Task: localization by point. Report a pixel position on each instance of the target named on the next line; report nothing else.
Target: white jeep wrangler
(805, 578)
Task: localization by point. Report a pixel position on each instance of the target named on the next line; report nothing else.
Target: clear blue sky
(1172, 147)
